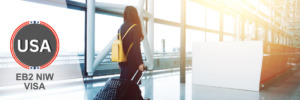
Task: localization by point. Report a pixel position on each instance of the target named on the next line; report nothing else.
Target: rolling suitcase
(120, 89)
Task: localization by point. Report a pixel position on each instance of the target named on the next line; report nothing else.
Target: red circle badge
(34, 45)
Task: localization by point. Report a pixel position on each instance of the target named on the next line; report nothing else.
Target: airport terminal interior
(194, 49)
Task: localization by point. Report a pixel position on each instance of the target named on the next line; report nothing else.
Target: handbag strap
(125, 36)
(129, 49)
(128, 30)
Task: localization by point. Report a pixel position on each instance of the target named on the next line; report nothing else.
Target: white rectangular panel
(228, 64)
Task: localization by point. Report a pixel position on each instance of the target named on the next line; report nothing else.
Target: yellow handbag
(117, 53)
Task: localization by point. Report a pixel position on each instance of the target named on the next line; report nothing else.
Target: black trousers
(127, 73)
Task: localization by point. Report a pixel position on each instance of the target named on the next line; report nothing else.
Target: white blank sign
(228, 64)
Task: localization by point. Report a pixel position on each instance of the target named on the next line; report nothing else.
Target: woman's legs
(127, 73)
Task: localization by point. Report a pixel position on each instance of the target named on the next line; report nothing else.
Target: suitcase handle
(140, 77)
(135, 75)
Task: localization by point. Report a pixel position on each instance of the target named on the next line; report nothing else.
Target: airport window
(193, 36)
(246, 28)
(259, 33)
(228, 38)
(167, 9)
(228, 24)
(264, 8)
(169, 34)
(269, 36)
(249, 30)
(288, 41)
(283, 40)
(106, 27)
(212, 37)
(195, 14)
(277, 38)
(212, 18)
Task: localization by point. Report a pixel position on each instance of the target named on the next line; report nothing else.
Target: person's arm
(137, 48)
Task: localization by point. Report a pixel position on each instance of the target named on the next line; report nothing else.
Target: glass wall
(212, 19)
(228, 24)
(106, 27)
(167, 9)
(169, 34)
(228, 38)
(193, 36)
(195, 14)
(212, 37)
(166, 36)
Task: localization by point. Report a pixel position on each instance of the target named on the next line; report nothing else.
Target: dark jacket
(134, 57)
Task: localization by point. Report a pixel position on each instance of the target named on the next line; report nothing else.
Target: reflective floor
(164, 86)
(167, 87)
